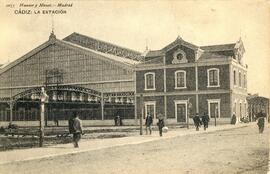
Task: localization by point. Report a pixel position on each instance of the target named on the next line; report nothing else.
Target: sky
(137, 24)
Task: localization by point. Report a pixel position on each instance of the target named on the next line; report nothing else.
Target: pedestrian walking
(205, 120)
(117, 120)
(260, 122)
(56, 121)
(197, 121)
(70, 125)
(77, 130)
(120, 121)
(233, 119)
(160, 123)
(148, 123)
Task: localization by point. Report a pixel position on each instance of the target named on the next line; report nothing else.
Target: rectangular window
(149, 81)
(240, 80)
(213, 77)
(180, 79)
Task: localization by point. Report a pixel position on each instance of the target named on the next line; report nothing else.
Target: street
(239, 150)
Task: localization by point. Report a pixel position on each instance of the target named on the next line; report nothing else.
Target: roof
(180, 41)
(120, 60)
(209, 55)
(124, 56)
(109, 56)
(223, 47)
(4, 65)
(154, 53)
(102, 46)
(256, 96)
(24, 57)
(207, 52)
(156, 60)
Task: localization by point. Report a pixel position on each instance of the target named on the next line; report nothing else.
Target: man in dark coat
(75, 127)
(197, 121)
(120, 121)
(233, 119)
(260, 123)
(205, 120)
(148, 123)
(160, 123)
(117, 120)
(70, 125)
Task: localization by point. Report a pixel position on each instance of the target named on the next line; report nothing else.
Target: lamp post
(43, 99)
(216, 113)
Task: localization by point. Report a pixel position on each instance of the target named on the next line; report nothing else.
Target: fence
(56, 114)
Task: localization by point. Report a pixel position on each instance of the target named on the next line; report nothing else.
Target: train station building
(100, 80)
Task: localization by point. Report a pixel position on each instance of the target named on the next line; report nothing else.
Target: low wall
(126, 122)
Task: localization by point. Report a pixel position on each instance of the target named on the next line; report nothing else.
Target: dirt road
(240, 150)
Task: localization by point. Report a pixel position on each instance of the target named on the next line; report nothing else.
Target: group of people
(199, 120)
(149, 123)
(204, 119)
(75, 124)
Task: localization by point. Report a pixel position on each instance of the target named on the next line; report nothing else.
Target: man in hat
(148, 123)
(205, 120)
(260, 123)
(197, 121)
(77, 128)
(233, 119)
(160, 123)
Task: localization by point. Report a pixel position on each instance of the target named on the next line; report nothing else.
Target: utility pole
(43, 99)
(141, 115)
(11, 105)
(216, 115)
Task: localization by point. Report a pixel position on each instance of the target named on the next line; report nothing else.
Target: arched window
(213, 77)
(234, 77)
(245, 81)
(240, 109)
(240, 79)
(149, 81)
(180, 79)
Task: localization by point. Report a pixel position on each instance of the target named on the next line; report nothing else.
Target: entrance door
(181, 111)
(213, 108)
(150, 107)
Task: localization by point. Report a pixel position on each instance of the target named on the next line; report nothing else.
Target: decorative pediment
(179, 56)
(239, 50)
